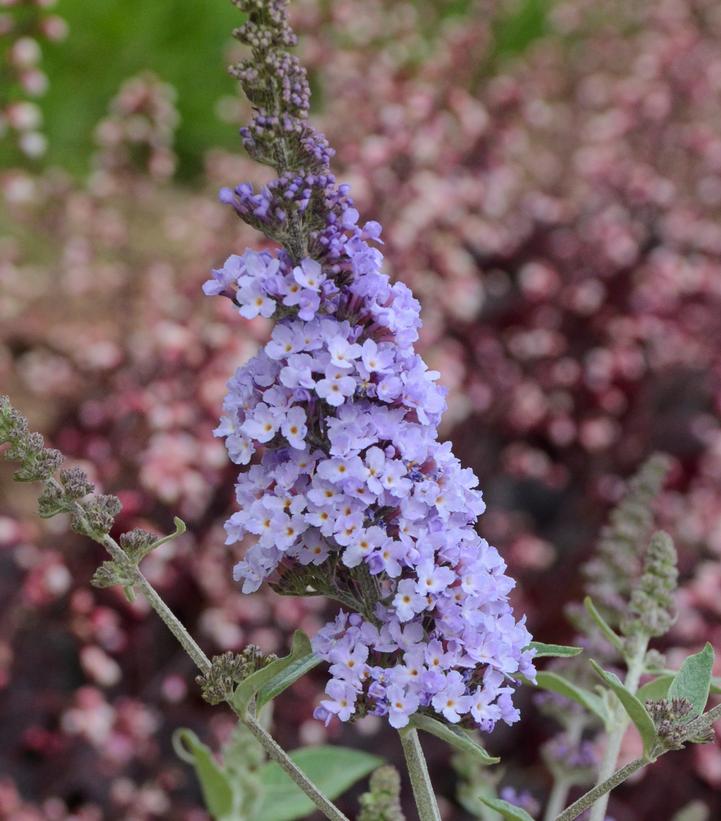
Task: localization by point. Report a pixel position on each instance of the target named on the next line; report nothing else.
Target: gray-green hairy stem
(699, 728)
(203, 663)
(601, 791)
(562, 779)
(618, 729)
(423, 792)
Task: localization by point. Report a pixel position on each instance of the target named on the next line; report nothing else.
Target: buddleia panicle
(25, 447)
(91, 514)
(382, 801)
(344, 487)
(651, 610)
(612, 572)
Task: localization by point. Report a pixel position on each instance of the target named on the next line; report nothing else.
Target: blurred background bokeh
(548, 173)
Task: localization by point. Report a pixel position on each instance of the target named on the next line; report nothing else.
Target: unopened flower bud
(76, 483)
(652, 605)
(382, 801)
(136, 543)
(228, 670)
(97, 515)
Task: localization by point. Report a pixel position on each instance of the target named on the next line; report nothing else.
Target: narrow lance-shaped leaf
(556, 683)
(544, 650)
(218, 789)
(272, 674)
(605, 628)
(633, 707)
(454, 736)
(332, 769)
(693, 680)
(507, 810)
(289, 675)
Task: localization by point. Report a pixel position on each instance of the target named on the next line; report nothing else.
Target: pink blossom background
(559, 214)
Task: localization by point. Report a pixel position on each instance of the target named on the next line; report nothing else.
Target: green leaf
(555, 683)
(695, 811)
(509, 811)
(332, 769)
(693, 680)
(271, 677)
(654, 690)
(715, 680)
(553, 650)
(287, 676)
(454, 736)
(608, 632)
(180, 528)
(635, 709)
(218, 792)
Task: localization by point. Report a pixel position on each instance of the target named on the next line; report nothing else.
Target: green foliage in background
(111, 40)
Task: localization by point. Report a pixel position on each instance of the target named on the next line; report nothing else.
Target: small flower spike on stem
(650, 614)
(382, 801)
(423, 792)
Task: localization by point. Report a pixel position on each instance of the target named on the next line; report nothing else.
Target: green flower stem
(694, 729)
(278, 754)
(562, 783)
(557, 797)
(202, 662)
(423, 793)
(601, 791)
(703, 723)
(186, 641)
(621, 721)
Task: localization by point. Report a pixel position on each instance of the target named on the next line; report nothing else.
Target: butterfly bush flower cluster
(346, 489)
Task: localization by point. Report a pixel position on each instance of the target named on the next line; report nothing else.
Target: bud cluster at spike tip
(338, 415)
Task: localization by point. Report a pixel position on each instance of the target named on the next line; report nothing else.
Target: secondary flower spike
(348, 492)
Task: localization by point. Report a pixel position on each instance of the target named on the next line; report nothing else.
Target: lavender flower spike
(348, 492)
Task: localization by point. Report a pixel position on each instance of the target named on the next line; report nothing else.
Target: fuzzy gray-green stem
(278, 754)
(423, 793)
(171, 621)
(704, 722)
(557, 797)
(202, 662)
(562, 783)
(636, 661)
(601, 790)
(694, 729)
